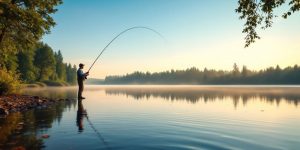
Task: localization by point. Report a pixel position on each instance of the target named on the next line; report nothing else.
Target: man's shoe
(81, 97)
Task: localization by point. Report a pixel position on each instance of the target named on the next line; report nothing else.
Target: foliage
(23, 22)
(42, 64)
(11, 62)
(26, 67)
(8, 82)
(45, 62)
(271, 75)
(261, 12)
(71, 74)
(60, 67)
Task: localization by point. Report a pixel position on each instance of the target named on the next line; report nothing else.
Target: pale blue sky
(199, 33)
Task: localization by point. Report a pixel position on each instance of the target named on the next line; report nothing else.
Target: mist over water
(161, 117)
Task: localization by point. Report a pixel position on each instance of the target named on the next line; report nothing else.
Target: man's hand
(86, 74)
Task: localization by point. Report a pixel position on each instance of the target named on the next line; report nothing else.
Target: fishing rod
(136, 27)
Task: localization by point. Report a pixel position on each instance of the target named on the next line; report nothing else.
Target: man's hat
(81, 64)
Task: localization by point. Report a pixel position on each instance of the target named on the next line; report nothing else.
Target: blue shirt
(80, 74)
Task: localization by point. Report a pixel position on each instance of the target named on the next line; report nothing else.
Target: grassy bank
(46, 84)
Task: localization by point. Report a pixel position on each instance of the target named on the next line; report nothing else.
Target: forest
(270, 75)
(43, 64)
(39, 65)
(24, 58)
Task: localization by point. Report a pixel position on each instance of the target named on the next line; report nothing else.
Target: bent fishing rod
(136, 27)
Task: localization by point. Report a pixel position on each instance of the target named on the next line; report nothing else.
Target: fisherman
(80, 78)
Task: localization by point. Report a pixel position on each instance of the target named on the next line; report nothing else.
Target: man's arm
(82, 75)
(85, 75)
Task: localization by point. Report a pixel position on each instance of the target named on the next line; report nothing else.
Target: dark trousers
(80, 87)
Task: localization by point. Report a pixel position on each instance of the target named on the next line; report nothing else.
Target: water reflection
(81, 113)
(194, 94)
(24, 130)
(53, 92)
(115, 123)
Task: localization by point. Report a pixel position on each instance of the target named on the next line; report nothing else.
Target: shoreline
(20, 102)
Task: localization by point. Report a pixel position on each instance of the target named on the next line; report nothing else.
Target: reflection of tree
(194, 94)
(23, 129)
(194, 76)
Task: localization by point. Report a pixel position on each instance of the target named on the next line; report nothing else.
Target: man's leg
(81, 89)
(80, 85)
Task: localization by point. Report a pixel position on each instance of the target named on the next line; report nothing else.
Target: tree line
(41, 63)
(270, 75)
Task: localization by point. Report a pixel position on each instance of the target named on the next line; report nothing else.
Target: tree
(22, 24)
(45, 62)
(26, 67)
(60, 66)
(235, 70)
(245, 72)
(261, 13)
(11, 63)
(71, 73)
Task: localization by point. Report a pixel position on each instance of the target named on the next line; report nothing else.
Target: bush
(9, 82)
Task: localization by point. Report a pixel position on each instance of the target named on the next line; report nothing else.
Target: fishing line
(136, 27)
(98, 133)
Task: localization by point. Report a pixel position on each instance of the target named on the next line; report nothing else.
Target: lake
(159, 117)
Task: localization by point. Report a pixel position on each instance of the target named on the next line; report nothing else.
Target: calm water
(159, 117)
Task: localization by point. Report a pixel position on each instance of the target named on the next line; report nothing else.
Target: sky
(198, 33)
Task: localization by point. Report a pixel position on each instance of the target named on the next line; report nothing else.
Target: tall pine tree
(45, 62)
(60, 67)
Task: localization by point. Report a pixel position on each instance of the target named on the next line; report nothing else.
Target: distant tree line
(271, 75)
